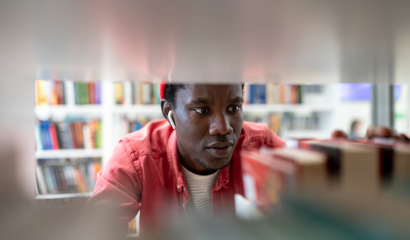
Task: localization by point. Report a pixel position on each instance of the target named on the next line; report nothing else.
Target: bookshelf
(120, 110)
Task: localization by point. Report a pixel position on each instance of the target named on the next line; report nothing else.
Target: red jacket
(144, 174)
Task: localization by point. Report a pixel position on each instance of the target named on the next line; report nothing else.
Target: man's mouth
(220, 149)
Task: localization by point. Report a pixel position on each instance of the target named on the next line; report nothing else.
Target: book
(53, 137)
(282, 94)
(127, 93)
(401, 166)
(294, 94)
(85, 93)
(70, 95)
(67, 176)
(97, 94)
(91, 93)
(272, 172)
(118, 93)
(351, 167)
(41, 182)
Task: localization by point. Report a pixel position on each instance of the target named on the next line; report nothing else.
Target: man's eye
(234, 108)
(201, 110)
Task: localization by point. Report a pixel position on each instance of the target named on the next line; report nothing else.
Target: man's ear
(165, 108)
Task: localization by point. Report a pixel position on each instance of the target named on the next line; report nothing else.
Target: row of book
(67, 175)
(273, 93)
(123, 125)
(128, 93)
(70, 134)
(288, 122)
(50, 92)
(292, 122)
(361, 167)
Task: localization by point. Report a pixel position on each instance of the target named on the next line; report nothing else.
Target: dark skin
(208, 121)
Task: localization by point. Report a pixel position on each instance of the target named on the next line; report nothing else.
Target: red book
(91, 93)
(73, 135)
(277, 171)
(294, 94)
(53, 135)
(79, 134)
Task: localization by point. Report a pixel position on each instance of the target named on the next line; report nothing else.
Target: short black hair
(170, 92)
(171, 89)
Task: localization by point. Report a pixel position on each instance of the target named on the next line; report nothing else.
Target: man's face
(208, 122)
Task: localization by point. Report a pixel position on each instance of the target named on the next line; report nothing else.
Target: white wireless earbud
(170, 119)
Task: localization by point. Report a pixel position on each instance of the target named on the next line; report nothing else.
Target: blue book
(138, 126)
(45, 133)
(251, 93)
(261, 94)
(97, 93)
(40, 145)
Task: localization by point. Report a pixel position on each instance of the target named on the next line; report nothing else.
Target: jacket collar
(176, 168)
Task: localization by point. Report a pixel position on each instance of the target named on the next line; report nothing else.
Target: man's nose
(220, 125)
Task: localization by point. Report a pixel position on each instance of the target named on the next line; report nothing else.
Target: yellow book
(41, 86)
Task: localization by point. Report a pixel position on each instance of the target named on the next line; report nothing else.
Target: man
(187, 164)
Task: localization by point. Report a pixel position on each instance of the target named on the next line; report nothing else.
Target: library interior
(94, 138)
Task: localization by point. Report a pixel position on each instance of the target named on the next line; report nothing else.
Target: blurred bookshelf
(85, 120)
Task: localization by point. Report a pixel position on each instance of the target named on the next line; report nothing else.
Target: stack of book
(132, 93)
(273, 93)
(67, 92)
(71, 134)
(67, 176)
(325, 188)
(348, 167)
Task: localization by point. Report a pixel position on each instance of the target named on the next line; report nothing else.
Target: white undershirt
(200, 190)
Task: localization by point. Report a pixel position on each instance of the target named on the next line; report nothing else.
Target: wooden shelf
(64, 195)
(69, 153)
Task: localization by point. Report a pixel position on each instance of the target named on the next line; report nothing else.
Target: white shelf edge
(305, 134)
(64, 195)
(64, 153)
(286, 108)
(150, 109)
(155, 108)
(64, 109)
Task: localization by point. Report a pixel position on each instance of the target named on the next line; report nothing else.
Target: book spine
(99, 136)
(85, 91)
(282, 94)
(73, 135)
(41, 181)
(46, 129)
(262, 92)
(251, 93)
(87, 136)
(97, 94)
(79, 134)
(70, 96)
(53, 136)
(49, 180)
(56, 179)
(76, 93)
(40, 145)
(91, 93)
